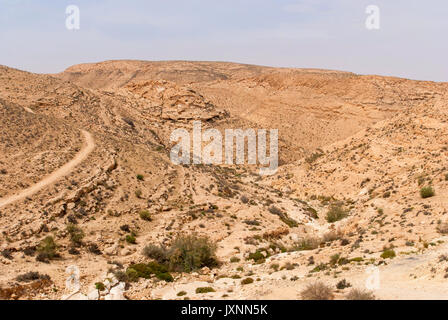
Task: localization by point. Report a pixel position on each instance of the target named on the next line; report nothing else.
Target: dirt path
(56, 175)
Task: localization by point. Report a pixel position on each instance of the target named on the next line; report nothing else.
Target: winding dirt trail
(56, 175)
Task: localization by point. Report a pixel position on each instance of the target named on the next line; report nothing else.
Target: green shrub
(388, 254)
(427, 192)
(336, 213)
(130, 238)
(189, 253)
(258, 256)
(204, 290)
(47, 250)
(76, 234)
(186, 254)
(145, 215)
(146, 271)
(100, 286)
(140, 177)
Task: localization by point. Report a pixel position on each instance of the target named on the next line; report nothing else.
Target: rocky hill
(87, 181)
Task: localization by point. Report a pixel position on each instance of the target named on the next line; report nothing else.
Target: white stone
(93, 295)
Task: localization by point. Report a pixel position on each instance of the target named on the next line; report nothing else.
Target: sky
(411, 41)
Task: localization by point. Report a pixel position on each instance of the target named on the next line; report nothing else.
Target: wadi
(356, 207)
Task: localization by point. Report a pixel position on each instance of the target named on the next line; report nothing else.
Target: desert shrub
(234, 259)
(258, 257)
(47, 250)
(76, 234)
(158, 253)
(165, 276)
(6, 253)
(275, 234)
(309, 243)
(275, 210)
(100, 286)
(317, 291)
(343, 284)
(252, 222)
(186, 254)
(121, 276)
(32, 276)
(244, 199)
(189, 253)
(247, 281)
(138, 193)
(181, 293)
(313, 157)
(93, 248)
(204, 290)
(336, 213)
(145, 215)
(29, 251)
(332, 236)
(357, 294)
(427, 192)
(130, 238)
(283, 217)
(311, 212)
(146, 271)
(388, 254)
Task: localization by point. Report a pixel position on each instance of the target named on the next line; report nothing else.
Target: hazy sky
(412, 41)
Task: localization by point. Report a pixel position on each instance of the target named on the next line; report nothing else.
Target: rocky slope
(357, 147)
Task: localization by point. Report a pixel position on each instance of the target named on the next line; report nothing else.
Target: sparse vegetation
(145, 215)
(146, 271)
(317, 291)
(336, 213)
(388, 254)
(204, 290)
(47, 250)
(357, 294)
(76, 234)
(247, 281)
(427, 192)
(186, 254)
(32, 276)
(341, 285)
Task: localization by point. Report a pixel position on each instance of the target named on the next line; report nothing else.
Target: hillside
(84, 158)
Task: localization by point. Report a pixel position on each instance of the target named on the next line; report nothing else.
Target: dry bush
(275, 234)
(358, 294)
(309, 243)
(332, 236)
(317, 291)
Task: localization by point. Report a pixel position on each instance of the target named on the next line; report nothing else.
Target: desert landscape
(92, 207)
